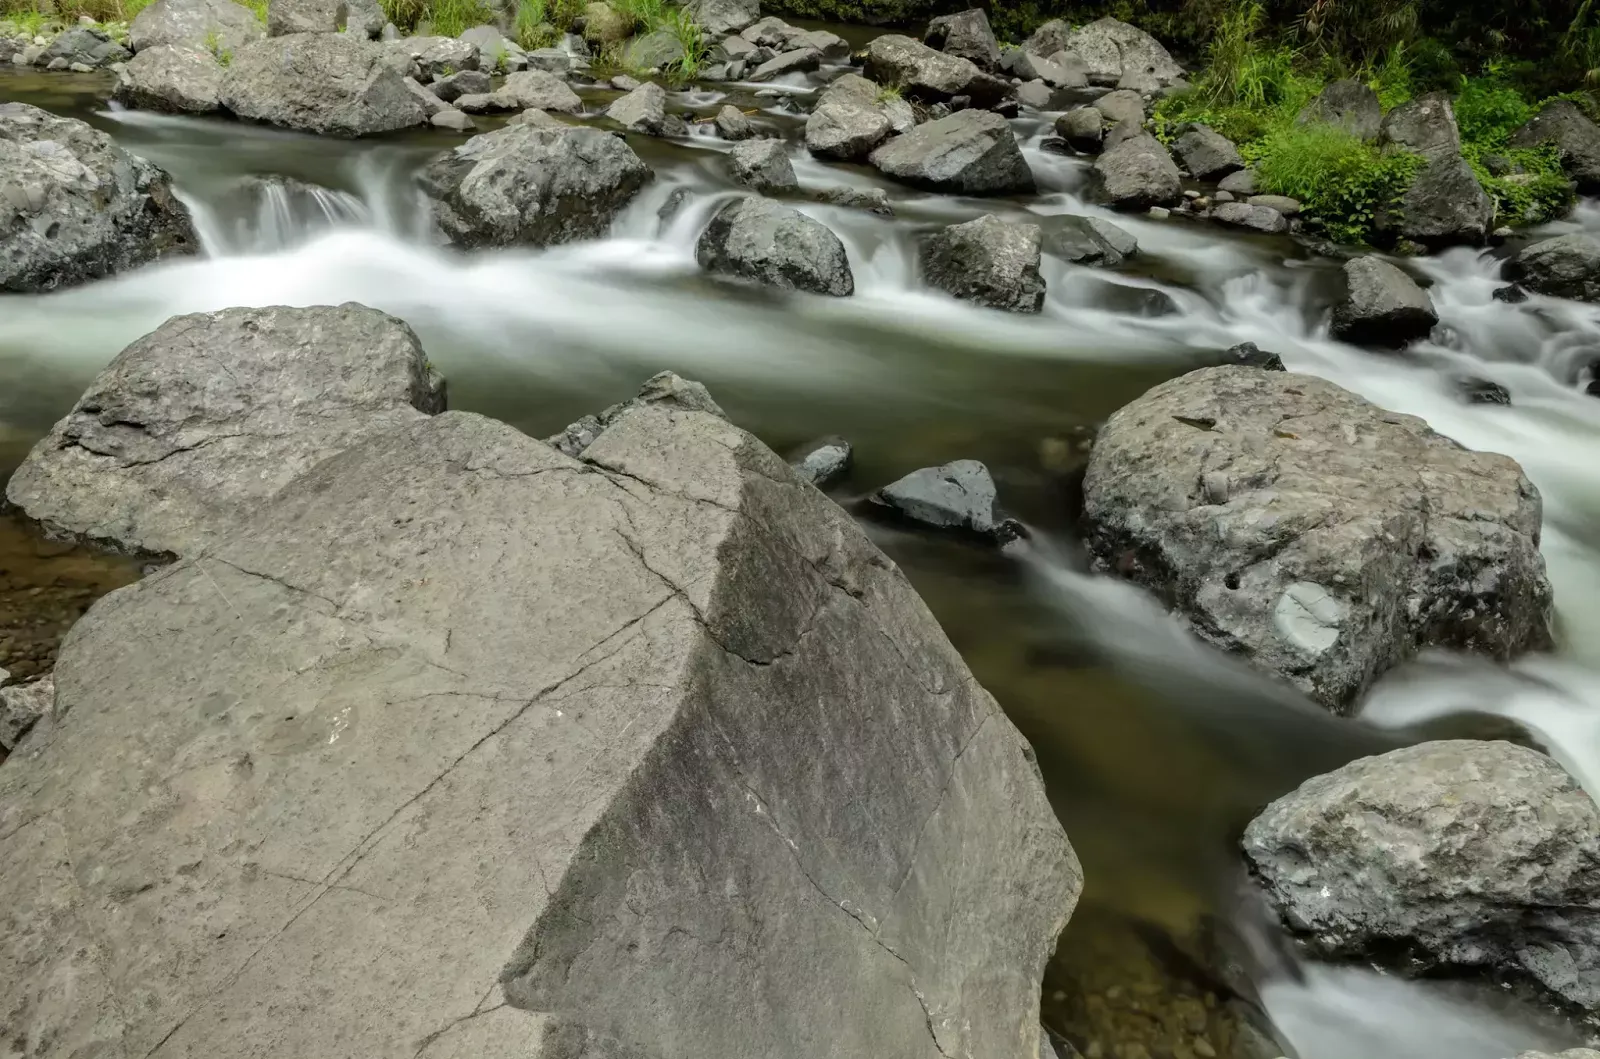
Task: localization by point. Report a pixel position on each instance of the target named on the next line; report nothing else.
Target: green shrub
(1344, 185)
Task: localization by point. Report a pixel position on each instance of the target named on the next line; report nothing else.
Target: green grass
(645, 15)
(445, 18)
(1344, 185)
(691, 39)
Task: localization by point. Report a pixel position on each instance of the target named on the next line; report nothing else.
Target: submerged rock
(1562, 123)
(966, 35)
(332, 84)
(200, 24)
(1474, 390)
(825, 462)
(1138, 173)
(775, 246)
(972, 152)
(1115, 53)
(1087, 240)
(190, 429)
(987, 261)
(1567, 266)
(1320, 537)
(1453, 856)
(958, 497)
(1383, 306)
(533, 185)
(1207, 154)
(1350, 104)
(763, 165)
(574, 750)
(75, 207)
(171, 78)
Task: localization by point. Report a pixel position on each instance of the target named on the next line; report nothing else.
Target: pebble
(1159, 213)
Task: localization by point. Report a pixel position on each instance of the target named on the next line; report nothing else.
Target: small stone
(825, 462)
(1511, 295)
(958, 497)
(452, 119)
(624, 83)
(1251, 355)
(1158, 213)
(1482, 391)
(733, 124)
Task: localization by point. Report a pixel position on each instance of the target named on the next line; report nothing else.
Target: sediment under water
(1156, 751)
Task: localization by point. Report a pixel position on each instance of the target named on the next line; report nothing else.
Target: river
(1156, 751)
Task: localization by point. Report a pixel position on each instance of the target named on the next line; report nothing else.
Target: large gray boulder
(642, 110)
(1567, 266)
(966, 35)
(718, 18)
(1084, 129)
(1051, 37)
(1350, 104)
(987, 261)
(776, 246)
(763, 165)
(1139, 173)
(85, 45)
(332, 84)
(465, 747)
(848, 120)
(191, 428)
(1446, 205)
(75, 207)
(924, 73)
(1316, 535)
(1383, 306)
(1425, 125)
(202, 24)
(1115, 53)
(1206, 153)
(971, 152)
(1566, 126)
(533, 185)
(171, 78)
(1445, 857)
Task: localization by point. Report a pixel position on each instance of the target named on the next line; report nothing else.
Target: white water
(633, 303)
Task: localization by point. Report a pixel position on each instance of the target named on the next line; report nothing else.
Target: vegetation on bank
(112, 16)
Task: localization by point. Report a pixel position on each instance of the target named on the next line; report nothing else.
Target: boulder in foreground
(464, 747)
(1319, 536)
(75, 207)
(192, 427)
(533, 185)
(332, 84)
(1453, 856)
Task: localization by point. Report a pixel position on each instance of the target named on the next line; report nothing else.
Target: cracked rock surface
(464, 747)
(1322, 538)
(194, 425)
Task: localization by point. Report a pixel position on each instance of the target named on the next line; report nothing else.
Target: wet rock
(923, 73)
(1121, 106)
(798, 61)
(174, 79)
(1384, 306)
(825, 462)
(452, 87)
(539, 90)
(1510, 294)
(1425, 125)
(1138, 173)
(1087, 240)
(718, 18)
(1352, 537)
(452, 119)
(1452, 856)
(199, 24)
(1564, 124)
(1348, 103)
(643, 110)
(1251, 216)
(533, 185)
(75, 207)
(1474, 390)
(1567, 266)
(987, 261)
(958, 497)
(1242, 183)
(1035, 94)
(400, 688)
(192, 427)
(604, 24)
(874, 200)
(966, 35)
(1250, 355)
(1207, 154)
(763, 165)
(87, 46)
(432, 105)
(1115, 53)
(971, 152)
(1282, 203)
(771, 32)
(1083, 129)
(433, 58)
(776, 246)
(331, 84)
(848, 121)
(733, 124)
(22, 706)
(1445, 205)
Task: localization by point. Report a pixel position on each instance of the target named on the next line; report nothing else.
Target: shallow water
(1156, 751)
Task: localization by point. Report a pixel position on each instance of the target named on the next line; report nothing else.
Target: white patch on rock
(1308, 616)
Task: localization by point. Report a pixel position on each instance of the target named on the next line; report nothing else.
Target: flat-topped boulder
(190, 429)
(201, 24)
(533, 185)
(971, 152)
(332, 84)
(76, 207)
(466, 747)
(1320, 537)
(173, 78)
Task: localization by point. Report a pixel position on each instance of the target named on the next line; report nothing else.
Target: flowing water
(1156, 751)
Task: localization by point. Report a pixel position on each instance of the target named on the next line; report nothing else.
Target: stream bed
(1156, 751)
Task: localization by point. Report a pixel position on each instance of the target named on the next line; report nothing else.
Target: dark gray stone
(718, 18)
(972, 152)
(776, 246)
(533, 185)
(987, 261)
(825, 462)
(1333, 540)
(87, 45)
(733, 124)
(200, 24)
(1562, 123)
(1207, 154)
(1567, 266)
(1350, 104)
(1445, 205)
(332, 84)
(966, 35)
(1453, 856)
(193, 427)
(1383, 307)
(1138, 173)
(1083, 128)
(75, 207)
(171, 78)
(1087, 240)
(958, 497)
(763, 165)
(1250, 355)
(1425, 125)
(800, 60)
(1251, 216)
(452, 87)
(643, 110)
(1474, 390)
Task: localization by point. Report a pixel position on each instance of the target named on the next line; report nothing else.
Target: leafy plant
(1344, 185)
(690, 38)
(889, 93)
(447, 18)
